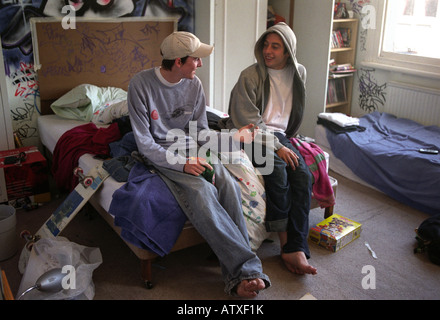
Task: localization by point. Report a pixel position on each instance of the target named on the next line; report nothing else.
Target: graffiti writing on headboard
(99, 45)
(103, 50)
(99, 53)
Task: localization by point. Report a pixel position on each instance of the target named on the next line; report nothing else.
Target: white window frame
(373, 19)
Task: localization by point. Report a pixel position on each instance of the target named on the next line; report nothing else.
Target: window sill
(395, 68)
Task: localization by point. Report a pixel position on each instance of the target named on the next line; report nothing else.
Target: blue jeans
(215, 211)
(288, 197)
(119, 168)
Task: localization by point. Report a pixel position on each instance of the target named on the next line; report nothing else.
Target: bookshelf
(313, 24)
(343, 40)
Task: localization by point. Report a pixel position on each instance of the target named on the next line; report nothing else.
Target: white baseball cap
(180, 44)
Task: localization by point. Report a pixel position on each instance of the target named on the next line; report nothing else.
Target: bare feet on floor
(250, 288)
(296, 262)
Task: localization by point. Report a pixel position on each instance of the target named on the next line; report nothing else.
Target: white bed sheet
(51, 128)
(335, 164)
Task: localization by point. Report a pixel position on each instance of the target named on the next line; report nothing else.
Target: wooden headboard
(102, 52)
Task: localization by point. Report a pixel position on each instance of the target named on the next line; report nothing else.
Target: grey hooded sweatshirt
(250, 95)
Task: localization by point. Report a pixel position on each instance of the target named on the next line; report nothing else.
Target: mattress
(335, 164)
(383, 151)
(51, 128)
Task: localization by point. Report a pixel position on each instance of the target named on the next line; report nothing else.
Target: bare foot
(296, 262)
(250, 288)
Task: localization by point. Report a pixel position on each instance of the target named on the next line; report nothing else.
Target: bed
(382, 152)
(181, 234)
(89, 103)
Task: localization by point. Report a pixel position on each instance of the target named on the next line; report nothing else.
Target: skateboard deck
(61, 217)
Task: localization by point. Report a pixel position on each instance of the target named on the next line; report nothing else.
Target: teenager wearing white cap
(164, 103)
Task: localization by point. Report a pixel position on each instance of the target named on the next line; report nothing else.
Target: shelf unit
(344, 55)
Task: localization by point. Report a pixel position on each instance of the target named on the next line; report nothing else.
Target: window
(411, 30)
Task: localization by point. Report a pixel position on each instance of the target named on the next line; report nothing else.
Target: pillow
(81, 102)
(99, 96)
(110, 111)
(75, 98)
(75, 104)
(253, 195)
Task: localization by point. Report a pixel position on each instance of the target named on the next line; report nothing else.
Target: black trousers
(288, 197)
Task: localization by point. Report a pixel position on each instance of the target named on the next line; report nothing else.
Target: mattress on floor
(384, 152)
(334, 163)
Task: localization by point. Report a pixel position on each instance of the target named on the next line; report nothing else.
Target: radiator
(413, 102)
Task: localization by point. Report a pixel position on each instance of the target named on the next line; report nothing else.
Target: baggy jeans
(288, 198)
(215, 211)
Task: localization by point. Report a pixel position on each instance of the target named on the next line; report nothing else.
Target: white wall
(312, 28)
(6, 133)
(381, 74)
(232, 27)
(204, 29)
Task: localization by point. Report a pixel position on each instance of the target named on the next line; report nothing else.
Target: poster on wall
(15, 32)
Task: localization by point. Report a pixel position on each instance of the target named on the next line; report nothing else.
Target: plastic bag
(78, 261)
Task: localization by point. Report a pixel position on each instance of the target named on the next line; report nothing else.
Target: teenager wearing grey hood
(271, 95)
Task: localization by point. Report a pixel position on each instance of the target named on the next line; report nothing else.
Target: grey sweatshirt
(157, 110)
(169, 120)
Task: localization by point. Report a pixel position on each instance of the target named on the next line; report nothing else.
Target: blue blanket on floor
(147, 211)
(386, 156)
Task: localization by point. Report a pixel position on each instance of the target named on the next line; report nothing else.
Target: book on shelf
(341, 69)
(340, 75)
(350, 71)
(336, 91)
(340, 38)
